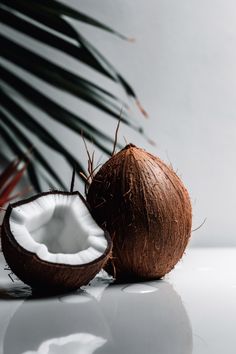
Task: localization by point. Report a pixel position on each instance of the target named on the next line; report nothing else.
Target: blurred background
(182, 69)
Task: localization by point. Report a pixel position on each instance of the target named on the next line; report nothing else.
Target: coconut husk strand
(51, 242)
(147, 211)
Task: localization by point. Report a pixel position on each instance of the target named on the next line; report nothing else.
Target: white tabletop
(193, 310)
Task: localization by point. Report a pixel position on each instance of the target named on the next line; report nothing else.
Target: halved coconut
(51, 241)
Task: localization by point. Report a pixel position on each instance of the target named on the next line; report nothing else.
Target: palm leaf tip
(62, 9)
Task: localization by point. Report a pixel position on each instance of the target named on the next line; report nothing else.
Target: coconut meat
(58, 228)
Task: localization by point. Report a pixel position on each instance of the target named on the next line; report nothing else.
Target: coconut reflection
(129, 318)
(50, 325)
(146, 318)
(81, 343)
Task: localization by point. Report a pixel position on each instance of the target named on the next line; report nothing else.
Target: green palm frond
(48, 22)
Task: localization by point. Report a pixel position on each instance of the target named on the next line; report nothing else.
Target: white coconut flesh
(58, 228)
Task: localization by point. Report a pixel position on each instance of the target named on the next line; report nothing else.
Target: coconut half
(51, 241)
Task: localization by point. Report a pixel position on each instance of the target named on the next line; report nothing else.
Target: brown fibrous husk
(43, 275)
(147, 211)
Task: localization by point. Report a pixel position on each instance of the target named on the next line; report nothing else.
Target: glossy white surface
(193, 310)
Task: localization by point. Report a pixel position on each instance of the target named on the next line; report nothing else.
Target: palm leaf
(9, 178)
(58, 76)
(27, 143)
(56, 111)
(37, 129)
(48, 21)
(8, 172)
(78, 52)
(18, 151)
(53, 20)
(7, 190)
(59, 9)
(63, 9)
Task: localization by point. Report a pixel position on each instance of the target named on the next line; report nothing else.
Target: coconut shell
(147, 211)
(43, 275)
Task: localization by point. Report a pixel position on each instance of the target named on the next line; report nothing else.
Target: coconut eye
(51, 240)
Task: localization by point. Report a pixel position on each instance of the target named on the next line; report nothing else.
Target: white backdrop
(183, 67)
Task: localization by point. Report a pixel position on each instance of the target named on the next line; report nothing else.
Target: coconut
(51, 242)
(147, 211)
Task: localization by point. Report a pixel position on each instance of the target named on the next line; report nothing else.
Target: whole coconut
(147, 211)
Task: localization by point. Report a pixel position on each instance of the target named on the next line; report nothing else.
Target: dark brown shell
(43, 275)
(147, 211)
